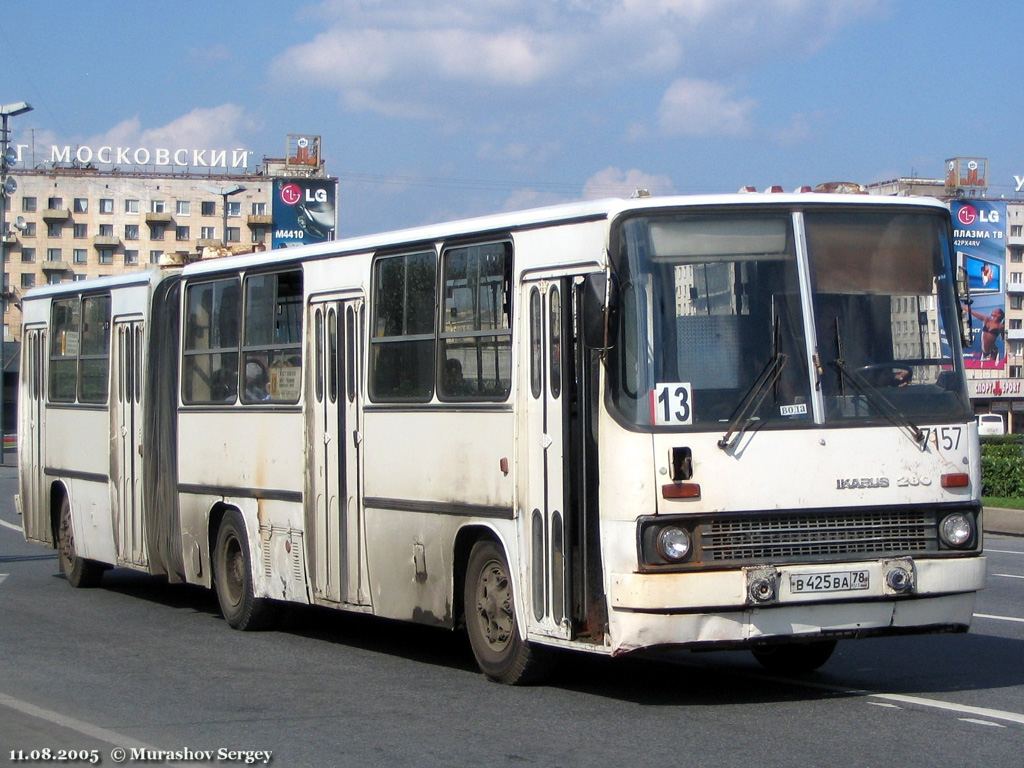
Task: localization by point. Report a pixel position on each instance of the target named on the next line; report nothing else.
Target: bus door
(546, 519)
(127, 443)
(34, 507)
(339, 573)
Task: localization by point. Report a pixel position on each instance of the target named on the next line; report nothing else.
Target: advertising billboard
(304, 211)
(979, 237)
(969, 174)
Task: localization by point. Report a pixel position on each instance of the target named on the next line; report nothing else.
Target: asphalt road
(142, 665)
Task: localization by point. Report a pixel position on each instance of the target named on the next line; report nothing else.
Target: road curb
(1001, 520)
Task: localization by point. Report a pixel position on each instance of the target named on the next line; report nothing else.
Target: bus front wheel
(502, 654)
(79, 571)
(232, 574)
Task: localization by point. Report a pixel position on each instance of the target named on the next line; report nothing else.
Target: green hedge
(1002, 466)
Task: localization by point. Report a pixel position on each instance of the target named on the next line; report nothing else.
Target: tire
(232, 576)
(79, 572)
(502, 654)
(794, 658)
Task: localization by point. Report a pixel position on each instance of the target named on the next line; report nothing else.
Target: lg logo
(968, 215)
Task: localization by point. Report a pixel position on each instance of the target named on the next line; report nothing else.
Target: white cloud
(614, 182)
(222, 127)
(693, 107)
(367, 50)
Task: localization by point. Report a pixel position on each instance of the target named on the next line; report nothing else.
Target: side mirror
(600, 305)
(964, 301)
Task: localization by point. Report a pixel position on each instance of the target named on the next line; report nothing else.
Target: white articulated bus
(734, 421)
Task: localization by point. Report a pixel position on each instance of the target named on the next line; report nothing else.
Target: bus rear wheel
(80, 572)
(232, 575)
(794, 658)
(502, 654)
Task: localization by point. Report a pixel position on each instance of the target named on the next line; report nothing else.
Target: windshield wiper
(753, 398)
(876, 398)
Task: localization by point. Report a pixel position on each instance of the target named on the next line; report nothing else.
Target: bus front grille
(818, 536)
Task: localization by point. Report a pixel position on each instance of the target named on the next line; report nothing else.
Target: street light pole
(225, 192)
(8, 186)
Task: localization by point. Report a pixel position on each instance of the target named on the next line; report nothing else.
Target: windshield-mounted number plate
(838, 581)
(671, 404)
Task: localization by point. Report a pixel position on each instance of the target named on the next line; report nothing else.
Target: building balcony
(158, 218)
(1017, 240)
(1015, 287)
(106, 241)
(260, 220)
(57, 214)
(209, 242)
(1015, 334)
(9, 239)
(55, 266)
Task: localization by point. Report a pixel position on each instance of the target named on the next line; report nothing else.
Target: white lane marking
(86, 729)
(12, 526)
(2, 577)
(991, 714)
(998, 618)
(1008, 575)
(980, 722)
(883, 704)
(1004, 551)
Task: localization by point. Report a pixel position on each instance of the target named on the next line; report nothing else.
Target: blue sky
(448, 108)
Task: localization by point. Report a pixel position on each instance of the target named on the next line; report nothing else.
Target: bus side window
(402, 333)
(272, 343)
(210, 356)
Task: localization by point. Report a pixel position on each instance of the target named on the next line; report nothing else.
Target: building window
(28, 280)
(131, 257)
(207, 233)
(259, 209)
(106, 230)
(131, 231)
(234, 208)
(54, 203)
(402, 343)
(106, 255)
(1015, 371)
(78, 277)
(208, 207)
(131, 206)
(81, 256)
(1017, 302)
(54, 278)
(181, 234)
(157, 206)
(1016, 230)
(106, 205)
(29, 230)
(157, 231)
(54, 228)
(28, 205)
(1016, 257)
(234, 235)
(1015, 325)
(183, 208)
(154, 257)
(81, 205)
(81, 231)
(54, 254)
(28, 255)
(259, 234)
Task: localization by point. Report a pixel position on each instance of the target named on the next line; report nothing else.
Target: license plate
(836, 581)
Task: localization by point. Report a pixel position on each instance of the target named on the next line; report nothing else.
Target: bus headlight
(956, 530)
(674, 543)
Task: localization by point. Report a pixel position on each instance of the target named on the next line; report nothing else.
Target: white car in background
(991, 424)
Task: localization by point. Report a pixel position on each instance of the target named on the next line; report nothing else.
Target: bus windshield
(712, 324)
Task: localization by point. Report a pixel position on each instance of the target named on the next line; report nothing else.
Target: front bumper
(716, 608)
